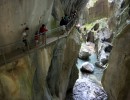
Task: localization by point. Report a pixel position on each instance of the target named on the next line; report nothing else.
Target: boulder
(96, 26)
(87, 67)
(98, 64)
(86, 89)
(108, 48)
(84, 55)
(104, 61)
(103, 54)
(90, 37)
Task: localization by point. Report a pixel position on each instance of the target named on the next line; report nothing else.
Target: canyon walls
(116, 77)
(43, 74)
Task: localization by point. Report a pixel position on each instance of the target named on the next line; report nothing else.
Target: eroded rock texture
(99, 10)
(17, 14)
(40, 75)
(86, 89)
(43, 74)
(116, 78)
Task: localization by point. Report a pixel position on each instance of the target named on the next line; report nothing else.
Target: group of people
(39, 37)
(65, 20)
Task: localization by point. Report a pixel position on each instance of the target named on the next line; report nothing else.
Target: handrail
(49, 31)
(1, 46)
(52, 30)
(17, 44)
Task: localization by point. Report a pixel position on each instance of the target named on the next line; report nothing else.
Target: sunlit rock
(84, 52)
(87, 67)
(84, 55)
(86, 89)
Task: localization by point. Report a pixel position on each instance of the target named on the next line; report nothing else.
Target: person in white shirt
(24, 34)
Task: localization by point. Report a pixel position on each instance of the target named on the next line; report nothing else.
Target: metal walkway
(13, 51)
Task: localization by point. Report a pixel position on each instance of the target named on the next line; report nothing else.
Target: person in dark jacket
(66, 18)
(62, 22)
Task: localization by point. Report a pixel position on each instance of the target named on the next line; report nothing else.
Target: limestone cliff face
(116, 78)
(99, 10)
(71, 5)
(17, 14)
(43, 74)
(61, 66)
(18, 79)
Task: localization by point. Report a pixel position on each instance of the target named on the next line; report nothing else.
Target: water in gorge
(88, 86)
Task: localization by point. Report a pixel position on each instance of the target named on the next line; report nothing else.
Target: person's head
(43, 25)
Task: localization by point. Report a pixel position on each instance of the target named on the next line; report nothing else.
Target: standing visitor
(24, 37)
(62, 22)
(43, 31)
(66, 18)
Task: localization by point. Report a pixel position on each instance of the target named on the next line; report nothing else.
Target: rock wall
(71, 5)
(60, 70)
(17, 14)
(116, 77)
(41, 75)
(100, 10)
(20, 79)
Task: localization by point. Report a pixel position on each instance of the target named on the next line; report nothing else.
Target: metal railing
(17, 48)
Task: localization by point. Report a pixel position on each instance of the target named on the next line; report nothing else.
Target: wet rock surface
(103, 46)
(87, 68)
(85, 89)
(84, 55)
(84, 52)
(88, 86)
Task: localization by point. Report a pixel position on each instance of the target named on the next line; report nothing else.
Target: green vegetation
(102, 22)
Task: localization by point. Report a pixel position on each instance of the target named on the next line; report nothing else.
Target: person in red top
(36, 37)
(43, 31)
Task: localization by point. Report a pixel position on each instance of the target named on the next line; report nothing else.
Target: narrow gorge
(96, 35)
